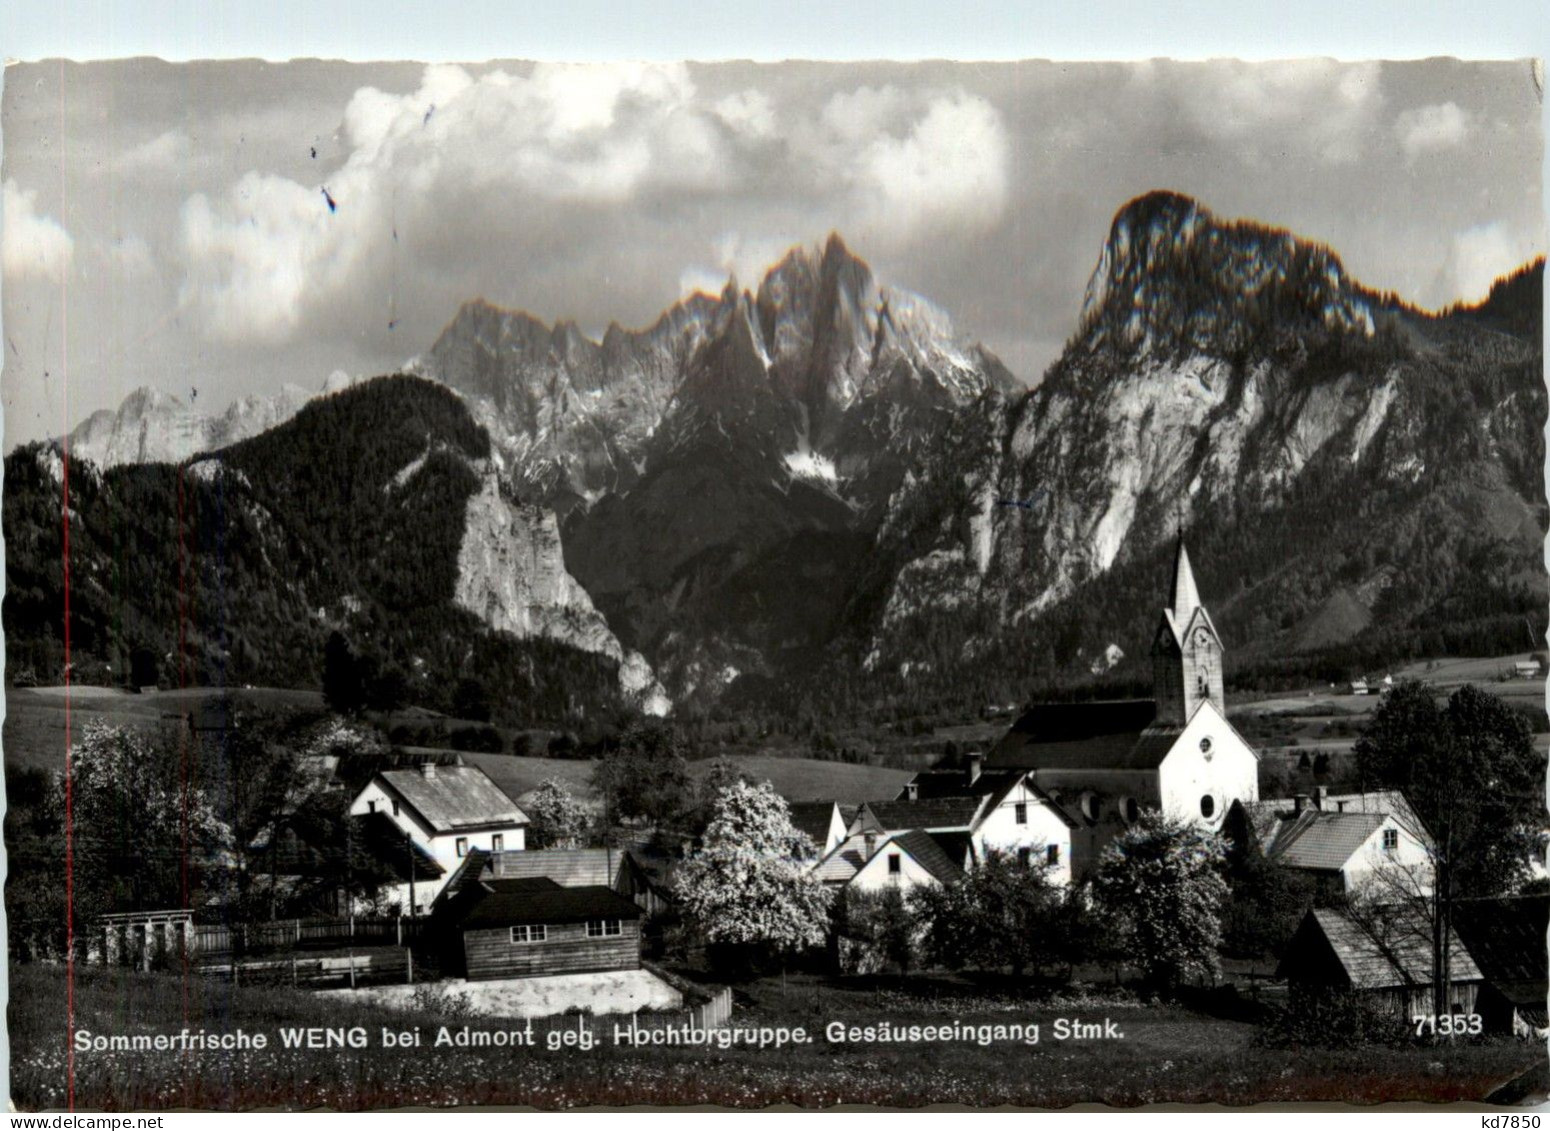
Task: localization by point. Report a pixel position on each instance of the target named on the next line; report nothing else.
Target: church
(1104, 762)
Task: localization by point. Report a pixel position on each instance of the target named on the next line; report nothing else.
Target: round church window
(1207, 805)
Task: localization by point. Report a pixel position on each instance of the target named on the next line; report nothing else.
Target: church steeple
(1186, 598)
(1186, 651)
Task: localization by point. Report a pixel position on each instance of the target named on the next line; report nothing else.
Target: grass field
(1166, 1054)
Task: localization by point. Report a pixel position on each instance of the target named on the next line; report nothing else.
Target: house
(1359, 687)
(531, 926)
(614, 868)
(1344, 849)
(447, 810)
(1389, 961)
(999, 810)
(1527, 669)
(873, 861)
(1104, 762)
(1506, 938)
(822, 821)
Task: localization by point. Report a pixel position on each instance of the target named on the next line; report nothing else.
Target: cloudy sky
(171, 224)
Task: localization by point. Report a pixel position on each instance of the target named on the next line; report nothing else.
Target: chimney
(428, 768)
(1320, 796)
(973, 761)
(912, 791)
(871, 844)
(1300, 802)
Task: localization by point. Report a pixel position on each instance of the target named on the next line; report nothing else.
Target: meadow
(1168, 1054)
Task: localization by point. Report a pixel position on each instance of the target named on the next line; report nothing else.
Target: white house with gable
(445, 811)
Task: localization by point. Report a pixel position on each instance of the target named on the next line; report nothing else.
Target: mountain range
(816, 495)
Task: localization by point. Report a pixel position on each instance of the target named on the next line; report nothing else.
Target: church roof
(1116, 734)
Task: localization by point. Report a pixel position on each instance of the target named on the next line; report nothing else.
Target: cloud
(31, 244)
(1431, 128)
(1318, 106)
(542, 163)
(1477, 257)
(164, 151)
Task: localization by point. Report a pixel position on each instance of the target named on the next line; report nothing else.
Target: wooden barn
(1389, 962)
(518, 928)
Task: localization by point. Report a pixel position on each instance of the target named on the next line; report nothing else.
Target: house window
(597, 928)
(1052, 855)
(1020, 812)
(1025, 856)
(395, 808)
(497, 842)
(894, 864)
(462, 846)
(1390, 840)
(371, 806)
(1207, 806)
(529, 933)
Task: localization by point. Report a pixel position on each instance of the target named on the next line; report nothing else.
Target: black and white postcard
(557, 585)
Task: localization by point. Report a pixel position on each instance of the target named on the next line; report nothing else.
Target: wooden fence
(305, 934)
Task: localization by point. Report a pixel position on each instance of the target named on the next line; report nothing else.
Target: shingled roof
(1506, 938)
(1319, 840)
(936, 813)
(1397, 954)
(928, 853)
(1114, 734)
(453, 798)
(568, 867)
(538, 899)
(812, 818)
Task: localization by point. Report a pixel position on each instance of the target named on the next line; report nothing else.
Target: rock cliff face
(1225, 376)
(511, 575)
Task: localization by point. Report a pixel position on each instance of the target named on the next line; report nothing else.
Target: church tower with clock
(1186, 652)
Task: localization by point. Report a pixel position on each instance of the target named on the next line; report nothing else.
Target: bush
(1335, 1020)
(485, 740)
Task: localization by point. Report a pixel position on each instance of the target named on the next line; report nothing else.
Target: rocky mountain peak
(1174, 277)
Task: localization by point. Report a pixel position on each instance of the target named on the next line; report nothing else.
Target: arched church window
(1130, 809)
(1205, 747)
(1207, 806)
(1091, 806)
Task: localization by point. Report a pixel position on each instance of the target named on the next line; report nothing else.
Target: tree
(144, 836)
(749, 885)
(471, 700)
(343, 687)
(1002, 913)
(1267, 903)
(877, 929)
(646, 776)
(1474, 782)
(721, 773)
(557, 820)
(1161, 883)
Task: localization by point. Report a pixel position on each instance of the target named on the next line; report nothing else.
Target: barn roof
(568, 867)
(454, 797)
(1395, 953)
(1506, 936)
(538, 899)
